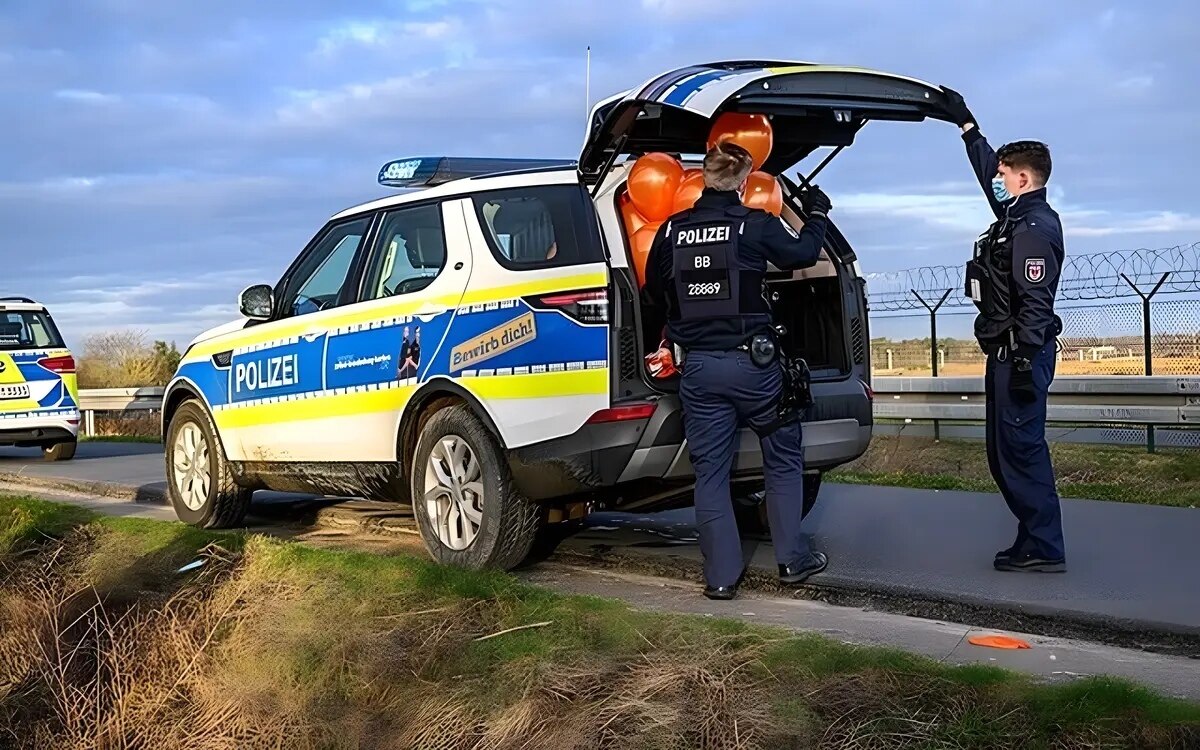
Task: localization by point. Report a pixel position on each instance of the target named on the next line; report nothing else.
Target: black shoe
(724, 593)
(1030, 562)
(721, 592)
(797, 573)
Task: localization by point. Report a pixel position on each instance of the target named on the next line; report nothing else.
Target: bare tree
(124, 359)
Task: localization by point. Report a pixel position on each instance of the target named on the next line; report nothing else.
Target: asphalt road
(1133, 568)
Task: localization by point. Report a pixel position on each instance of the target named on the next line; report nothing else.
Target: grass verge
(104, 642)
(120, 439)
(1116, 473)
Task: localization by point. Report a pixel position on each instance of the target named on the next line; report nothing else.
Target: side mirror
(257, 302)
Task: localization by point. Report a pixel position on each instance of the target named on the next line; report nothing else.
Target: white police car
(39, 398)
(475, 347)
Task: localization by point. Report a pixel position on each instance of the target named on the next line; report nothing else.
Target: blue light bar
(427, 171)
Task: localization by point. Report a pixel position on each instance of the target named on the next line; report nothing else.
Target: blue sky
(159, 156)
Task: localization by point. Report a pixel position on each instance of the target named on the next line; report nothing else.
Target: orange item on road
(997, 641)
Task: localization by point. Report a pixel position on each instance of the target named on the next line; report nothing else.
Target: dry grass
(1122, 474)
(104, 645)
(917, 365)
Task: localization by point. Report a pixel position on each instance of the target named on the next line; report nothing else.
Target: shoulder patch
(790, 229)
(1035, 270)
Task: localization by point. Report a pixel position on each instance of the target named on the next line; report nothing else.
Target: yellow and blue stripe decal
(375, 365)
(49, 393)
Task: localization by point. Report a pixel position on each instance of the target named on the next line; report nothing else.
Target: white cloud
(1091, 223)
(86, 96)
(692, 8)
(967, 211)
(387, 35)
(1136, 83)
(958, 212)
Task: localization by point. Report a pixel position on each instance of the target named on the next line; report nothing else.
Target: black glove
(957, 109)
(1020, 382)
(815, 202)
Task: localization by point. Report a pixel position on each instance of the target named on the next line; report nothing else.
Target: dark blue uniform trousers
(721, 391)
(1019, 457)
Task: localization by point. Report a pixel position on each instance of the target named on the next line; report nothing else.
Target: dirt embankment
(133, 634)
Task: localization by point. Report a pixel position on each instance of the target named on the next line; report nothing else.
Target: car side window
(318, 281)
(410, 252)
(539, 227)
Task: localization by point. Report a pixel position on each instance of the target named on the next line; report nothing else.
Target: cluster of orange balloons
(658, 186)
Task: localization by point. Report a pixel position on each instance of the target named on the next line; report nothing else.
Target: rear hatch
(37, 372)
(810, 106)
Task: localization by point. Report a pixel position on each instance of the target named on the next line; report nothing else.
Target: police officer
(706, 268)
(1012, 279)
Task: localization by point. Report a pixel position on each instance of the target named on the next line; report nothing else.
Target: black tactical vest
(989, 278)
(710, 279)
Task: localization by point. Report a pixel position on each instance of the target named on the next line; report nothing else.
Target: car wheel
(200, 480)
(467, 509)
(63, 451)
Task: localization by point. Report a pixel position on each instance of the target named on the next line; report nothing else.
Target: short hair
(1031, 155)
(726, 166)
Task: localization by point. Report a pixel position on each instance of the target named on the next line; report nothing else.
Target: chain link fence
(921, 323)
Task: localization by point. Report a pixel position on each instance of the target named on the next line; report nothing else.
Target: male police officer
(1013, 278)
(706, 267)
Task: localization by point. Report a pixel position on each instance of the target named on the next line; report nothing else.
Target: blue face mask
(1000, 191)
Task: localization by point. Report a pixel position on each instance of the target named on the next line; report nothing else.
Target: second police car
(39, 396)
(476, 347)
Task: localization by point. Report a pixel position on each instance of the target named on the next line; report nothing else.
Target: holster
(794, 397)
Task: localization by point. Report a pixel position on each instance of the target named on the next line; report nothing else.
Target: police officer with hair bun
(707, 268)
(1013, 278)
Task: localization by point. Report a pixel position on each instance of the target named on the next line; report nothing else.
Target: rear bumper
(39, 429)
(836, 430)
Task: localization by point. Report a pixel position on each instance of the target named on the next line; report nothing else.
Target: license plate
(14, 391)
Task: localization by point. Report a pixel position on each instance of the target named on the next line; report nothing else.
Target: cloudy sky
(159, 156)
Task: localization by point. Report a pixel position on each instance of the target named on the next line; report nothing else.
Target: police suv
(38, 393)
(475, 347)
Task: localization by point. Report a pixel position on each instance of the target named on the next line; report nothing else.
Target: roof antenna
(587, 89)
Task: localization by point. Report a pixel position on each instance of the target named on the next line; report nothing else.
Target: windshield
(28, 329)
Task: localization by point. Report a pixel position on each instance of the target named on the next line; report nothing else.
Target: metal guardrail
(92, 400)
(1141, 401)
(1154, 400)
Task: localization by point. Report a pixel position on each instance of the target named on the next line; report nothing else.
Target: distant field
(1111, 366)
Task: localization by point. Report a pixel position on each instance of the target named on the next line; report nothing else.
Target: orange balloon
(653, 181)
(629, 214)
(763, 191)
(751, 132)
(689, 190)
(640, 245)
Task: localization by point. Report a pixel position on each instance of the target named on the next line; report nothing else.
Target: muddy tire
(63, 451)
(200, 481)
(467, 509)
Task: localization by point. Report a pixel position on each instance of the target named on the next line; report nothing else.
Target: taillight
(585, 305)
(60, 365)
(870, 391)
(623, 413)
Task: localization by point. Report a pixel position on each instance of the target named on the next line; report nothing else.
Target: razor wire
(1094, 276)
